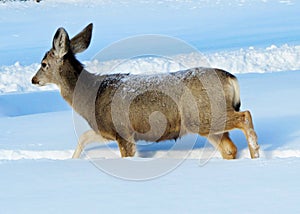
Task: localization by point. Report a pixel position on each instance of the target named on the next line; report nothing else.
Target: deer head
(60, 60)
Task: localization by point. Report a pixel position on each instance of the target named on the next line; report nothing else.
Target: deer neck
(69, 74)
(68, 85)
(80, 91)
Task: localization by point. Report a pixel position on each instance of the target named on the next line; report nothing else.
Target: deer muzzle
(35, 81)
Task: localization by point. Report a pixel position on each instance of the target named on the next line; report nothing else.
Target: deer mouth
(36, 81)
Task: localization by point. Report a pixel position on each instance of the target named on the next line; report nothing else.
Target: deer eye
(44, 65)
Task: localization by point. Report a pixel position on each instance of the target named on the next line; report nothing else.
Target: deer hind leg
(224, 144)
(127, 148)
(243, 121)
(87, 137)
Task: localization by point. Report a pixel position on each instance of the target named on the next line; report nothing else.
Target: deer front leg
(223, 143)
(127, 148)
(87, 137)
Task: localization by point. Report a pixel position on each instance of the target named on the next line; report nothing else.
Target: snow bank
(106, 152)
(17, 78)
(34, 155)
(273, 58)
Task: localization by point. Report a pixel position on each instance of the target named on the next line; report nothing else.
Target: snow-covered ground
(257, 40)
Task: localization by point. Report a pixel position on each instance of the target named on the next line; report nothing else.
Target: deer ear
(61, 42)
(82, 40)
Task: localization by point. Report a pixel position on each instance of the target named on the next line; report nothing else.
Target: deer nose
(35, 80)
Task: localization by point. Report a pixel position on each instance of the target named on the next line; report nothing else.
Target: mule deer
(127, 108)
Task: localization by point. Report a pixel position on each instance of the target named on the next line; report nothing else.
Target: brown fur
(127, 108)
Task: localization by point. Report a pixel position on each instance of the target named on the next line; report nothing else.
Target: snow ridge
(271, 59)
(104, 153)
(17, 78)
